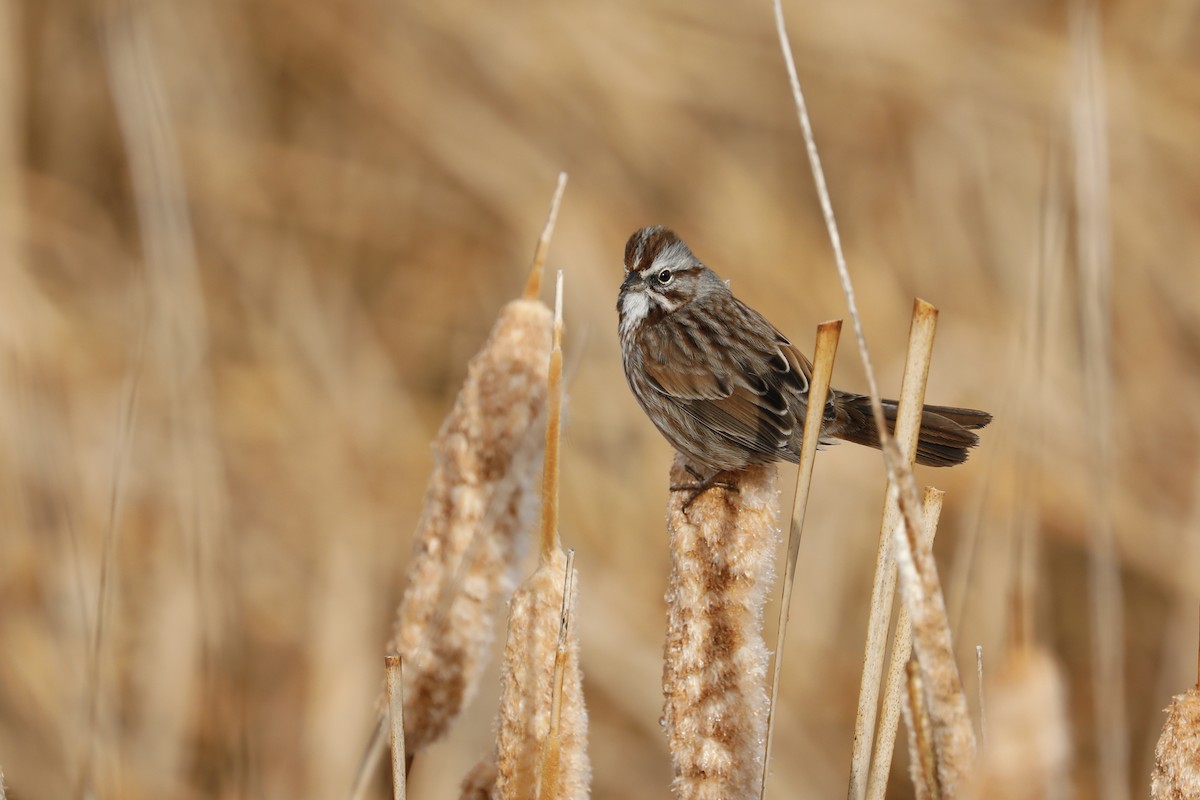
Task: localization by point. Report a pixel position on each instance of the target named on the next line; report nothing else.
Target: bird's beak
(631, 277)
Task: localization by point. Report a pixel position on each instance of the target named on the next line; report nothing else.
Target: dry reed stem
(715, 661)
(1029, 752)
(901, 651)
(539, 655)
(533, 286)
(1088, 117)
(883, 588)
(548, 775)
(953, 734)
(1176, 773)
(395, 707)
(824, 353)
(922, 756)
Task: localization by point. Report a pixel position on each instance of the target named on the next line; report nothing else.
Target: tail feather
(946, 436)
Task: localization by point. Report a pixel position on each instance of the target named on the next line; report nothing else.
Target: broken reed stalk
(824, 353)
(480, 497)
(1029, 755)
(538, 654)
(885, 738)
(552, 750)
(883, 589)
(715, 660)
(395, 705)
(953, 734)
(1088, 118)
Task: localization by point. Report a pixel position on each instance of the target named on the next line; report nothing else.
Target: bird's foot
(718, 480)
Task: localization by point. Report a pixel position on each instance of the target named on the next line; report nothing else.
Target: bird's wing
(748, 389)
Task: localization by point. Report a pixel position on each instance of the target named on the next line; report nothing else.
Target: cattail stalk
(883, 588)
(824, 353)
(540, 655)
(395, 705)
(715, 661)
(896, 678)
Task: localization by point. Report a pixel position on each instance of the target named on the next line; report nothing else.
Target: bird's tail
(946, 433)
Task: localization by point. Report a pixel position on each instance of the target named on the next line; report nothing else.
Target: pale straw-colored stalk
(1028, 756)
(715, 661)
(824, 353)
(1089, 120)
(395, 707)
(541, 654)
(883, 588)
(885, 740)
(478, 506)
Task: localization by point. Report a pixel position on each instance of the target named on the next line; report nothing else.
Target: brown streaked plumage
(724, 386)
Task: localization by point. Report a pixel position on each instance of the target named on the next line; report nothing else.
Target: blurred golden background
(240, 384)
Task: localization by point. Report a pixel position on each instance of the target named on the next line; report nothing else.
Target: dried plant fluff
(715, 660)
(479, 503)
(1177, 755)
(1028, 753)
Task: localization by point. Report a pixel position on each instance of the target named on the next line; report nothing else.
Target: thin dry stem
(824, 353)
(883, 589)
(395, 705)
(715, 661)
(1177, 756)
(1095, 305)
(534, 286)
(549, 537)
(901, 651)
(548, 778)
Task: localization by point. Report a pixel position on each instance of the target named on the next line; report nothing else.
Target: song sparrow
(724, 386)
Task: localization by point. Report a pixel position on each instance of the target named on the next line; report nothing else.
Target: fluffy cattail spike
(715, 661)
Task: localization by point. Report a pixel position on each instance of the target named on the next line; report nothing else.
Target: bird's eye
(663, 277)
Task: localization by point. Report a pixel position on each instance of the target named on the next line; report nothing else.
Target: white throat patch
(634, 308)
